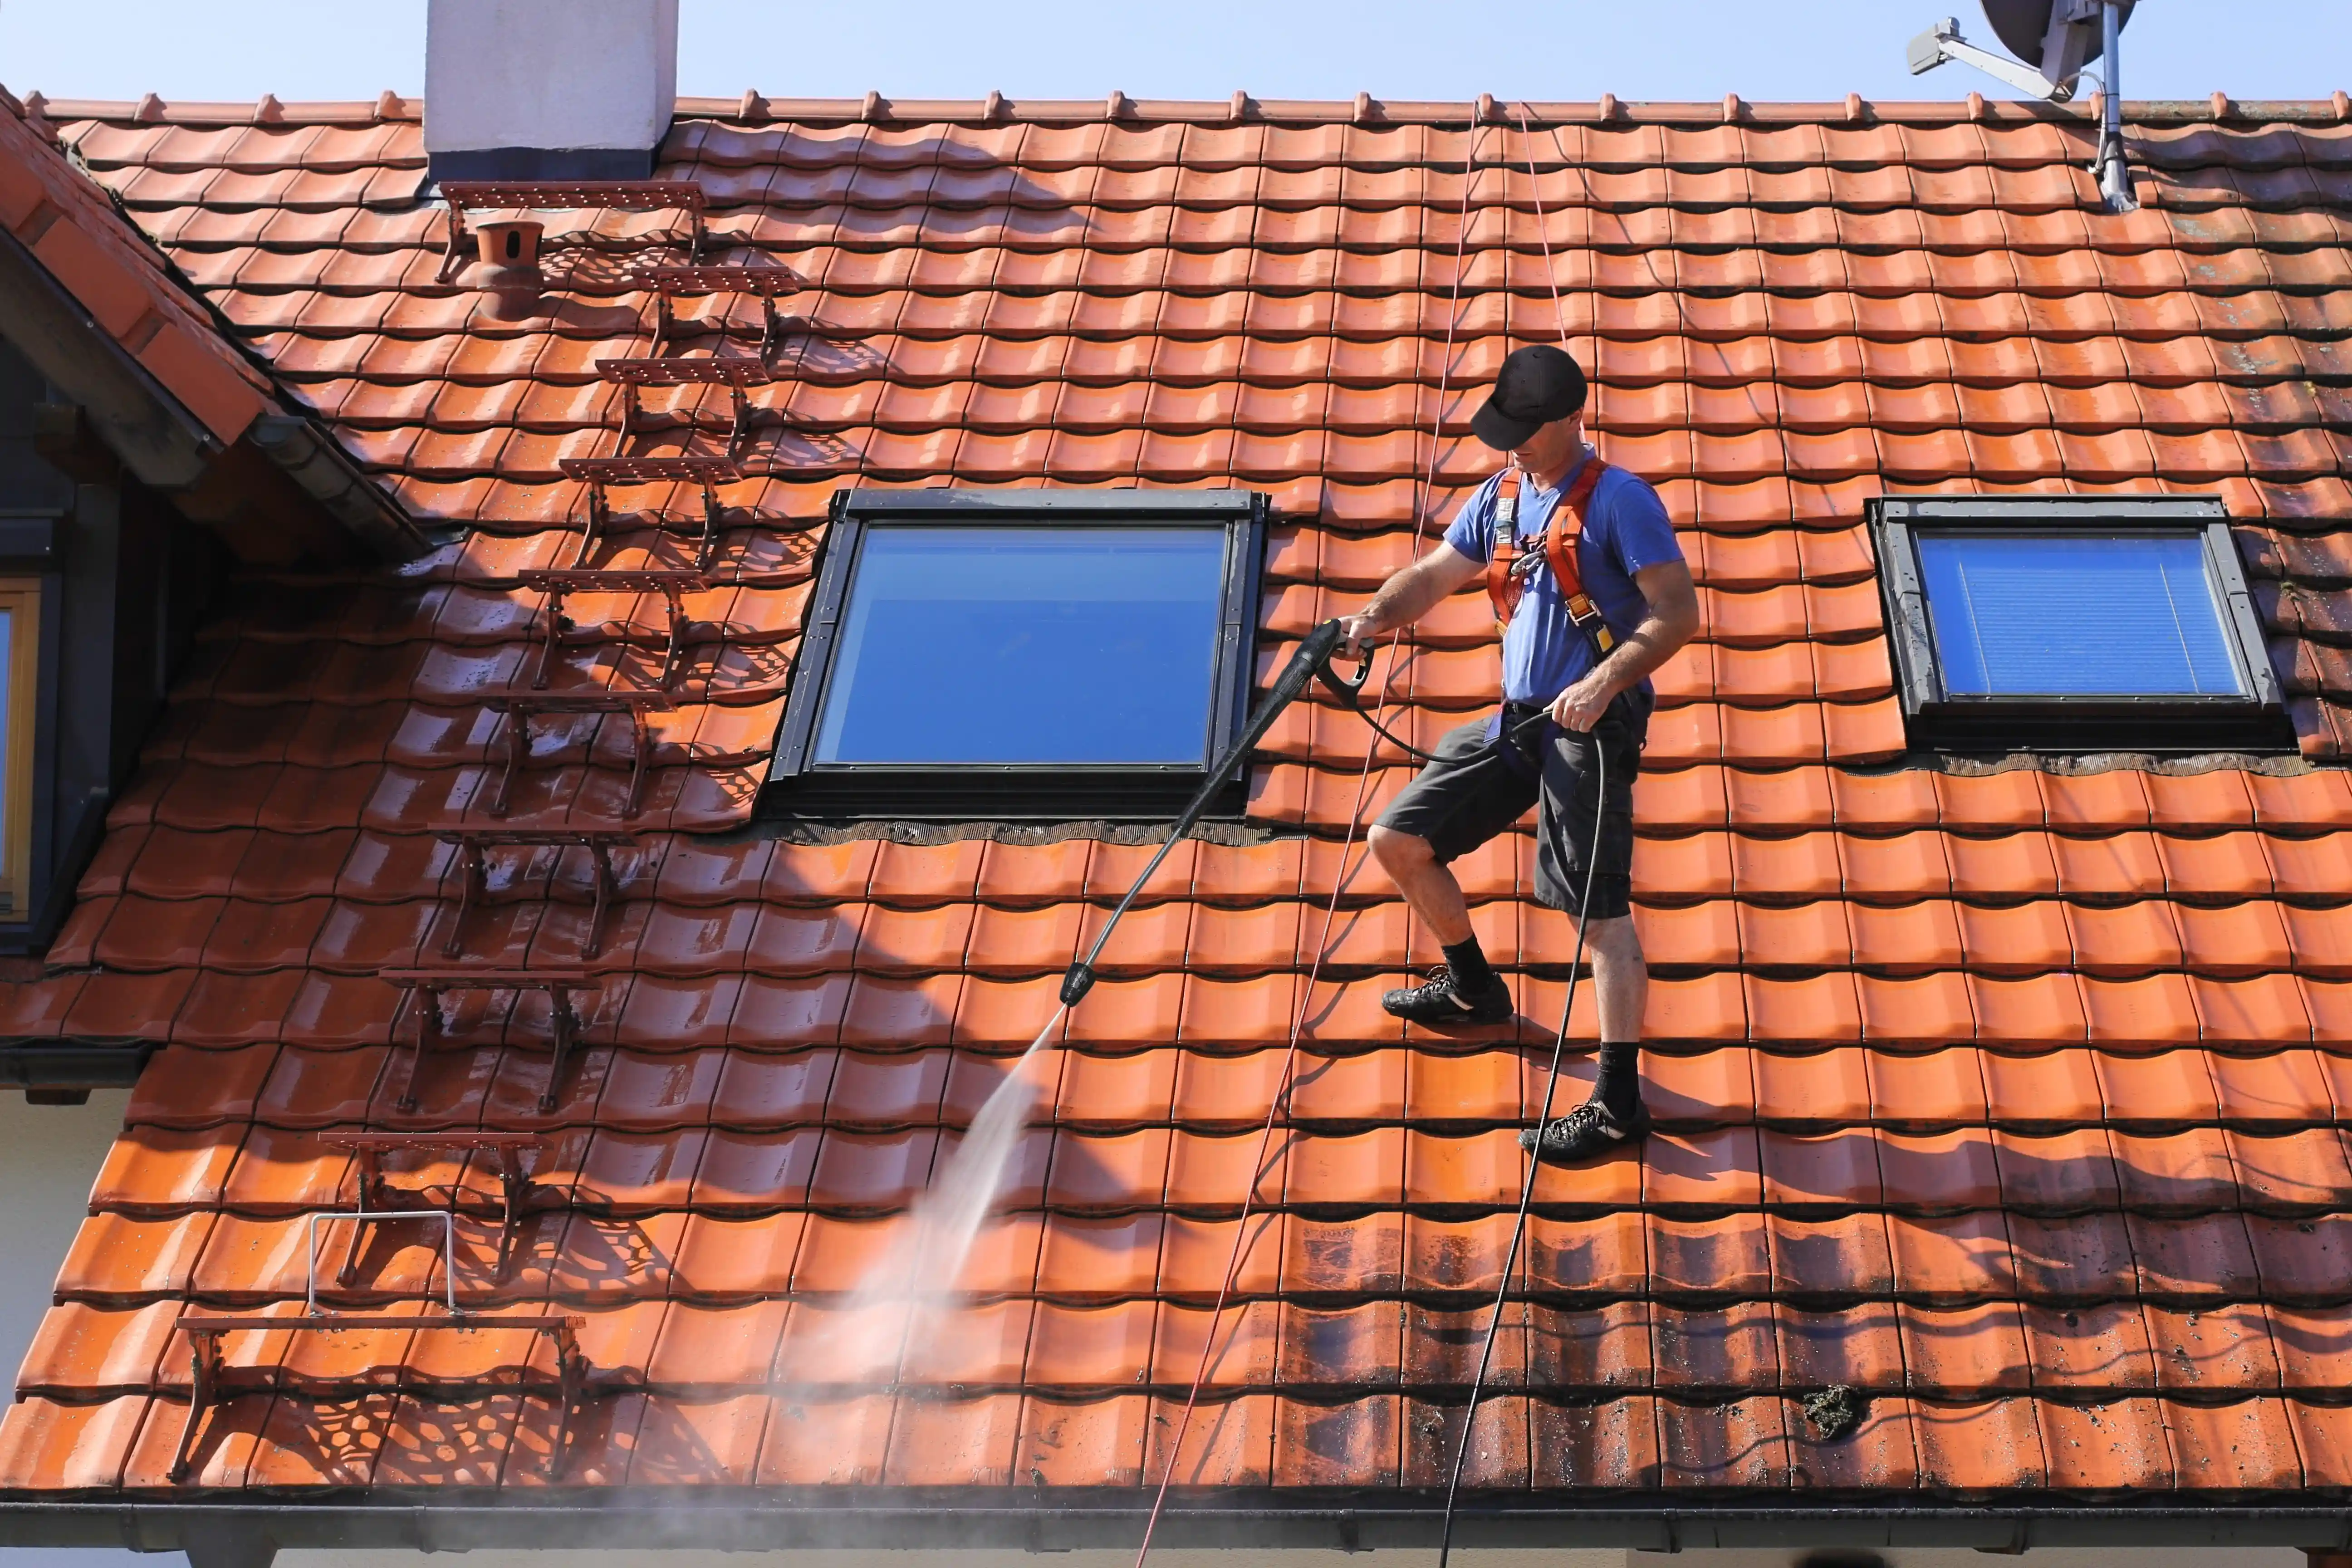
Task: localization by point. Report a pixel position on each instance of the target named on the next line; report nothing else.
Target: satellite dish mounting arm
(2114, 173)
(1943, 43)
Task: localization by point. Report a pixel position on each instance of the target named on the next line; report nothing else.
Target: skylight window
(1033, 655)
(2072, 625)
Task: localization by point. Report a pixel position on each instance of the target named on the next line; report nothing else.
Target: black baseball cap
(1538, 384)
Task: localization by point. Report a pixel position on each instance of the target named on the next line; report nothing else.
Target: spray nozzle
(1077, 983)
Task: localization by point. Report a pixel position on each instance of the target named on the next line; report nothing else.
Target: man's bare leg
(1469, 991)
(1429, 887)
(1613, 1116)
(1620, 977)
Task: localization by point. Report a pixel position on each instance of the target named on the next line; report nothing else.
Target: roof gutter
(226, 1526)
(314, 461)
(52, 1067)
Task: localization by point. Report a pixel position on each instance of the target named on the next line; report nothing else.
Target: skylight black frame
(800, 788)
(1937, 719)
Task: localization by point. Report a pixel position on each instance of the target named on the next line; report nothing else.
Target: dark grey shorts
(1460, 802)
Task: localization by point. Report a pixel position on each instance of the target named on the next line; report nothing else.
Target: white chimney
(548, 90)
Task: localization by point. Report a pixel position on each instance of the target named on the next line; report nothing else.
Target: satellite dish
(2050, 42)
(2059, 36)
(2023, 27)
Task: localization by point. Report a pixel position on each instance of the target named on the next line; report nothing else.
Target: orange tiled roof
(2009, 1098)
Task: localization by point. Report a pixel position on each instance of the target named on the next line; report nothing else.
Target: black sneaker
(1440, 1001)
(1586, 1131)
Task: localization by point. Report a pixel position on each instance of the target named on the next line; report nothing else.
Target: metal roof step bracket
(672, 585)
(428, 985)
(652, 471)
(521, 707)
(473, 844)
(599, 474)
(680, 370)
(379, 1199)
(566, 195)
(672, 283)
(213, 1383)
(733, 372)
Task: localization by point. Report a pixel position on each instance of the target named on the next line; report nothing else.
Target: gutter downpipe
(2115, 178)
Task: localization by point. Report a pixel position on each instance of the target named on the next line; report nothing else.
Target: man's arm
(1670, 621)
(1413, 593)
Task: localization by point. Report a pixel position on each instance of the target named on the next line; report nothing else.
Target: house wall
(126, 582)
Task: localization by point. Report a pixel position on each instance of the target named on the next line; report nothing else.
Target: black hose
(1351, 694)
(1535, 1163)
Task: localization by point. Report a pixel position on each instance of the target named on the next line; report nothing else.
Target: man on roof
(1594, 594)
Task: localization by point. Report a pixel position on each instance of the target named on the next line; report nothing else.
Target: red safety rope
(1543, 229)
(1280, 1100)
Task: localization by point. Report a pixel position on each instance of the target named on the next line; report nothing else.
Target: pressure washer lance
(1313, 660)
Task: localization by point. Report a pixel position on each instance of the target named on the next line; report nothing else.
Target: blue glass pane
(1026, 644)
(2067, 614)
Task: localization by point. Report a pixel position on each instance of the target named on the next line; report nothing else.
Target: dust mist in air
(902, 1303)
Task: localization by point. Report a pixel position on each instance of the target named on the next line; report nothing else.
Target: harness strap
(1503, 587)
(1506, 577)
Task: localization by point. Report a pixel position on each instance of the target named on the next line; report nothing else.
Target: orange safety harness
(1509, 566)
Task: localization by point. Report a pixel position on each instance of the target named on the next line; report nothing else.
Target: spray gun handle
(1313, 658)
(1345, 690)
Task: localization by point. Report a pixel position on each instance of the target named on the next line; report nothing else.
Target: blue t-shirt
(1625, 530)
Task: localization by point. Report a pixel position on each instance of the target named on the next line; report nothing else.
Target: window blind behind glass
(2040, 615)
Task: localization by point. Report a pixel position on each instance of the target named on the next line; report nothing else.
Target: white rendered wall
(549, 73)
(49, 1155)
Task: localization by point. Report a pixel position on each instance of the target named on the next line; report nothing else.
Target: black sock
(1618, 1088)
(1467, 962)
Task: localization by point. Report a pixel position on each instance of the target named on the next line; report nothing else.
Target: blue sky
(1202, 48)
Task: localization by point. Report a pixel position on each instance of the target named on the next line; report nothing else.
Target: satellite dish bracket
(1942, 43)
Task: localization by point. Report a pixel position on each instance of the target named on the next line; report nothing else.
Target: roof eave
(1044, 1519)
(146, 428)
